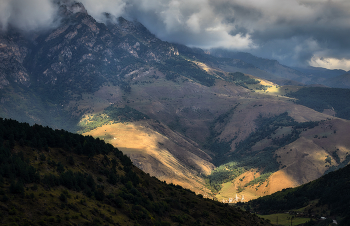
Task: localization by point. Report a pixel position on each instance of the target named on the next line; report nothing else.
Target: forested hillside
(327, 197)
(320, 98)
(53, 177)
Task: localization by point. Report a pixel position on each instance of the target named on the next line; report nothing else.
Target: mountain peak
(71, 7)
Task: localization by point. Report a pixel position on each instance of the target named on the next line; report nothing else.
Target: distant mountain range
(214, 122)
(304, 75)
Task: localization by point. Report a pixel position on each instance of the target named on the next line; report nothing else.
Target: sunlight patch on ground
(230, 189)
(208, 69)
(270, 87)
(276, 182)
(129, 136)
(274, 89)
(203, 66)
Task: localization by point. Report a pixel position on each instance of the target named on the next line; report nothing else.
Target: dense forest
(179, 67)
(320, 98)
(110, 114)
(53, 177)
(242, 80)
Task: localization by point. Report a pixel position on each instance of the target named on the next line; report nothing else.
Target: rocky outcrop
(12, 56)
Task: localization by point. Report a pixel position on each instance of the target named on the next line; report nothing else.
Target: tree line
(96, 173)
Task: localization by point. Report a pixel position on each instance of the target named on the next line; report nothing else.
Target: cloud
(189, 22)
(27, 15)
(97, 9)
(330, 63)
(291, 31)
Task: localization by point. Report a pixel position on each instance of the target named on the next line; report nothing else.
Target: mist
(27, 15)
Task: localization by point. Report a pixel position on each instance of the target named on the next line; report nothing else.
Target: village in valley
(234, 200)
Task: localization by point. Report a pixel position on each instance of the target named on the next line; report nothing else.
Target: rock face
(12, 54)
(78, 56)
(83, 54)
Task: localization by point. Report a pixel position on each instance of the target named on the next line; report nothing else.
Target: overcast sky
(294, 32)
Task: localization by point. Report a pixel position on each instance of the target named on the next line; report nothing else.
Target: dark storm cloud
(291, 31)
(192, 22)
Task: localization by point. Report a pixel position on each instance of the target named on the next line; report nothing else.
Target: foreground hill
(52, 177)
(327, 197)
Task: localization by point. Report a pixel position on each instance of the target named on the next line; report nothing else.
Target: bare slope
(191, 110)
(169, 158)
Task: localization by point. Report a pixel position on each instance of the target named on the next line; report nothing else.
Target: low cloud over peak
(295, 32)
(27, 15)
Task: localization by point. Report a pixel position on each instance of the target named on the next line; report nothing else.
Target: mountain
(328, 100)
(320, 72)
(68, 67)
(324, 197)
(281, 74)
(284, 75)
(53, 177)
(322, 76)
(181, 114)
(340, 81)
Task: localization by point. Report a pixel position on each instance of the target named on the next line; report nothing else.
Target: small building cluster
(234, 200)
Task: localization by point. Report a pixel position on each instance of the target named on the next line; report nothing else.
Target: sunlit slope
(163, 150)
(276, 182)
(169, 158)
(316, 151)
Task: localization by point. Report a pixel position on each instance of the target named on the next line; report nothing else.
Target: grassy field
(284, 219)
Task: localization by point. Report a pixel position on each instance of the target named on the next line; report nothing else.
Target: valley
(218, 124)
(187, 109)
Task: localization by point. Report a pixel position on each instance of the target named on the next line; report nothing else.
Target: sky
(294, 32)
